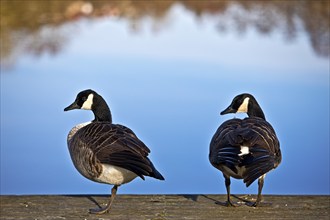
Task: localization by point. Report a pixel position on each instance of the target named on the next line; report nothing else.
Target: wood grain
(163, 207)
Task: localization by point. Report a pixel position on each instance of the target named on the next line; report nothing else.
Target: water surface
(166, 70)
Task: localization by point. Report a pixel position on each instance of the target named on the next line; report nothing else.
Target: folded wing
(117, 145)
(258, 140)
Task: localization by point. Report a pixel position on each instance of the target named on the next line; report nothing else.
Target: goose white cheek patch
(87, 105)
(244, 106)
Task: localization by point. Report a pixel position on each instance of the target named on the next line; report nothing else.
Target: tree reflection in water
(38, 27)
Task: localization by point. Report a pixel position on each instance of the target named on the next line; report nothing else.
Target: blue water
(169, 87)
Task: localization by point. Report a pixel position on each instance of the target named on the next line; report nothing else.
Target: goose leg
(107, 208)
(260, 186)
(227, 182)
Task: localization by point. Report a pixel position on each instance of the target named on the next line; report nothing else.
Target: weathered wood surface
(163, 207)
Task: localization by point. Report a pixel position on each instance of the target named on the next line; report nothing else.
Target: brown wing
(254, 133)
(117, 145)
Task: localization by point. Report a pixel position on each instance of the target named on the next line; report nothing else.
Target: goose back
(245, 148)
(104, 143)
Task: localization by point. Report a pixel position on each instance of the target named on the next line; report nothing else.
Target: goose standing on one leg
(245, 148)
(105, 152)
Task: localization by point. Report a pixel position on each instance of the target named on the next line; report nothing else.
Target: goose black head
(90, 100)
(244, 103)
(84, 100)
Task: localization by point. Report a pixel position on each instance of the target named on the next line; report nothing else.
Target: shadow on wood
(163, 207)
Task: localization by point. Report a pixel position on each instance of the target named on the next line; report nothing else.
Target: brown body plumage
(104, 143)
(105, 152)
(245, 148)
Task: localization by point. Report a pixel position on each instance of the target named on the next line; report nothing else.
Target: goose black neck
(101, 110)
(254, 110)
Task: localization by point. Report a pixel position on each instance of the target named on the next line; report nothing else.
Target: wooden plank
(163, 207)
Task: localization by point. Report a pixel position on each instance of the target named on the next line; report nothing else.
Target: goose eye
(84, 98)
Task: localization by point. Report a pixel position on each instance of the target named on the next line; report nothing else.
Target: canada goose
(245, 148)
(105, 152)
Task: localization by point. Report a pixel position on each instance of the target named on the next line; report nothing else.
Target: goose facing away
(245, 148)
(105, 152)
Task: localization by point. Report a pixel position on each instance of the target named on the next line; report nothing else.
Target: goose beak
(72, 106)
(228, 110)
